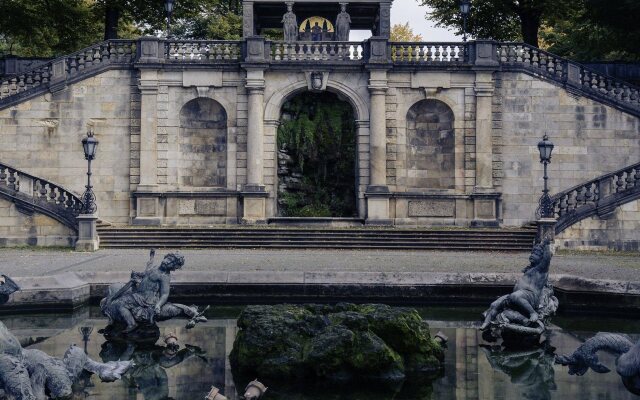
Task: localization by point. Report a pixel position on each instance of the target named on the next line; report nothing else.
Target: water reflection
(472, 371)
(531, 370)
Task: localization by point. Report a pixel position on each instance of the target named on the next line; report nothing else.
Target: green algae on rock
(341, 342)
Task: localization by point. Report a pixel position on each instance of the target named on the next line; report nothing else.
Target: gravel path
(28, 262)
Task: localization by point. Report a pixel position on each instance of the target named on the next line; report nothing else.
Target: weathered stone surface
(348, 341)
(432, 208)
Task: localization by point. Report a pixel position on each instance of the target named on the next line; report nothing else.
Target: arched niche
(203, 144)
(430, 146)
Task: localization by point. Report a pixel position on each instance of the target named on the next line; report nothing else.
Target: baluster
(302, 49)
(420, 54)
(325, 52)
(13, 86)
(70, 202)
(589, 196)
(3, 175)
(53, 194)
(316, 51)
(619, 182)
(571, 202)
(61, 197)
(526, 56)
(80, 63)
(226, 52)
(21, 83)
(580, 196)
(551, 66)
(563, 205)
(332, 51)
(429, 55)
(277, 53)
(630, 181)
(360, 51)
(43, 190)
(12, 180)
(535, 60)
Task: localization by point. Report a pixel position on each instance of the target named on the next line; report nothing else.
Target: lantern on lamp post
(545, 207)
(168, 8)
(89, 145)
(465, 8)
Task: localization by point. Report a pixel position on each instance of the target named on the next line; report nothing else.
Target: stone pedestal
(546, 229)
(378, 206)
(254, 205)
(486, 208)
(87, 233)
(147, 209)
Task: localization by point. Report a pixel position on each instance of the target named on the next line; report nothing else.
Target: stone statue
(343, 24)
(521, 315)
(627, 362)
(30, 374)
(143, 300)
(290, 24)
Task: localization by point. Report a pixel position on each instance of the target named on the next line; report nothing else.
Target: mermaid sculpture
(30, 374)
(627, 362)
(519, 318)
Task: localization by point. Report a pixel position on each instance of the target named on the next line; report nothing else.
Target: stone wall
(619, 231)
(42, 137)
(18, 229)
(590, 140)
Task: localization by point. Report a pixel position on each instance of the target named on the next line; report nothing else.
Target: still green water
(473, 368)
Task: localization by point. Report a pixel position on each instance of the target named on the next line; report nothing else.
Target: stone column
(378, 192)
(254, 194)
(384, 22)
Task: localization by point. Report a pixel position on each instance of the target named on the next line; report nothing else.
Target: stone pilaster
(484, 119)
(384, 22)
(377, 191)
(247, 19)
(88, 239)
(254, 194)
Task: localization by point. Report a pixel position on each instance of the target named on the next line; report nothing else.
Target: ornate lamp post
(87, 220)
(545, 147)
(465, 7)
(168, 7)
(89, 145)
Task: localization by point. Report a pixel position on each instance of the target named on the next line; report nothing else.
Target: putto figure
(143, 300)
(519, 318)
(290, 24)
(343, 24)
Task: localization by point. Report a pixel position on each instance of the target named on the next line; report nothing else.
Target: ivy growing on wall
(317, 143)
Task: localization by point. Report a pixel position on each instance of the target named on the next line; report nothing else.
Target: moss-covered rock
(342, 342)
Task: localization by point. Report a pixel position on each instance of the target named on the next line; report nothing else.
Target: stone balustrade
(31, 193)
(56, 74)
(598, 196)
(317, 51)
(428, 53)
(203, 50)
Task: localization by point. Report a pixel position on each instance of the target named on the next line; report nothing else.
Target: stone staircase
(512, 240)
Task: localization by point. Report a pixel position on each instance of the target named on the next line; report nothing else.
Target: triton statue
(30, 374)
(143, 300)
(519, 318)
(627, 362)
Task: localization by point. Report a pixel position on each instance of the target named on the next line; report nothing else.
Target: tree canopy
(404, 33)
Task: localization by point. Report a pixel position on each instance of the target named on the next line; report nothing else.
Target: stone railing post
(257, 50)
(58, 75)
(150, 50)
(573, 75)
(379, 51)
(484, 53)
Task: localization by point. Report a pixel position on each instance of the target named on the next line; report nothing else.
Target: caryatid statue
(343, 24)
(290, 24)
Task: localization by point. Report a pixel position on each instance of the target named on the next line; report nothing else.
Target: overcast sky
(404, 11)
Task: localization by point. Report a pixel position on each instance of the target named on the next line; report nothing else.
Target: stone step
(307, 238)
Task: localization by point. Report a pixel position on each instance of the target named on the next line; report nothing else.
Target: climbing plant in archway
(316, 157)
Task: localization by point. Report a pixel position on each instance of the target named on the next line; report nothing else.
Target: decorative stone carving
(290, 24)
(343, 24)
(142, 301)
(520, 317)
(627, 362)
(29, 374)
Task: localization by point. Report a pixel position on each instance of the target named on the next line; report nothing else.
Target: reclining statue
(30, 374)
(627, 358)
(521, 315)
(143, 300)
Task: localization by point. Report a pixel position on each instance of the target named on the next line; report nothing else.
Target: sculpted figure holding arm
(143, 300)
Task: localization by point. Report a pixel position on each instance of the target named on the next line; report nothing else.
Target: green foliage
(597, 30)
(318, 133)
(46, 28)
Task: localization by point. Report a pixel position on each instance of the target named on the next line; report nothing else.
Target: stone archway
(317, 149)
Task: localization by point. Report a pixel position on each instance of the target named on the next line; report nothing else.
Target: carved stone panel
(485, 209)
(432, 208)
